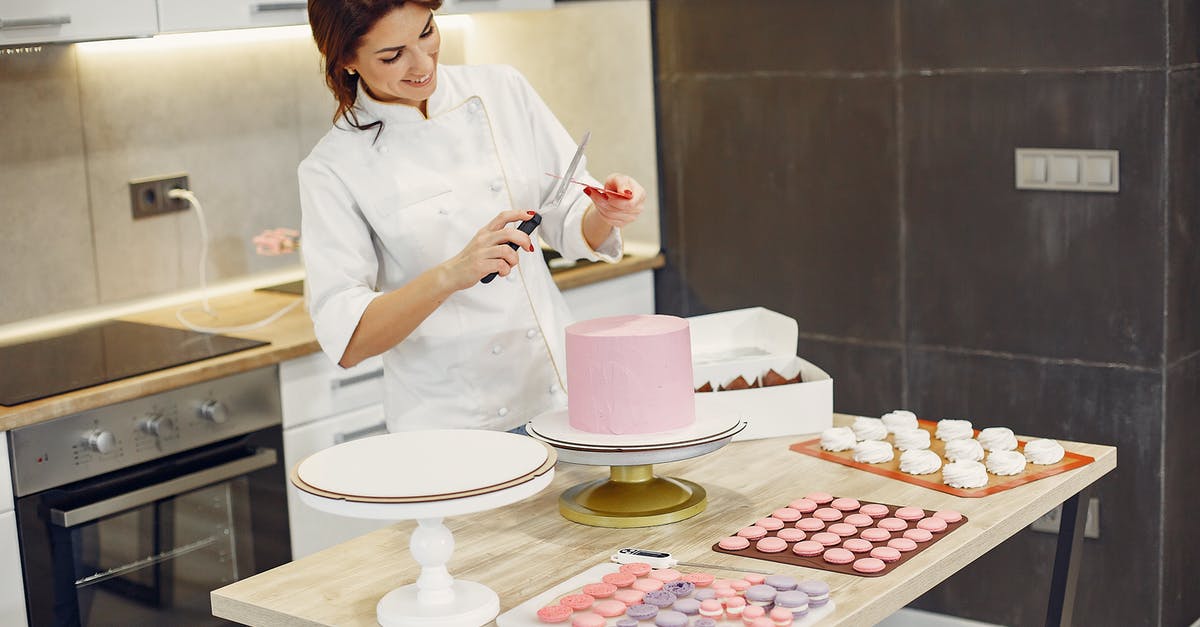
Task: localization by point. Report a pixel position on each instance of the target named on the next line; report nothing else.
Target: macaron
(637, 569)
(936, 525)
(810, 525)
(733, 543)
(838, 556)
(600, 590)
(885, 553)
(794, 601)
(781, 583)
(753, 532)
(555, 614)
(827, 514)
(857, 545)
(670, 618)
(754, 578)
(826, 539)
(781, 617)
(868, 565)
(704, 621)
(874, 510)
(704, 594)
(808, 548)
(619, 579)
(842, 529)
(588, 619)
(918, 535)
(680, 588)
(712, 608)
(642, 611)
(817, 591)
(629, 596)
(791, 534)
(665, 574)
(820, 498)
(948, 515)
(577, 602)
(735, 606)
(787, 514)
(892, 524)
(761, 595)
(904, 545)
(769, 523)
(875, 534)
(609, 608)
(910, 513)
(860, 520)
(845, 505)
(752, 613)
(645, 584)
(691, 607)
(659, 598)
(700, 580)
(771, 545)
(740, 585)
(804, 506)
(626, 622)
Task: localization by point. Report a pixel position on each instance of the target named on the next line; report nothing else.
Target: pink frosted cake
(630, 374)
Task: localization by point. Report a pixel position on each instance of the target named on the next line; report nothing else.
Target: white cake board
(525, 614)
(556, 426)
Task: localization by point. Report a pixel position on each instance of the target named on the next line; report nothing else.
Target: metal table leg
(1066, 560)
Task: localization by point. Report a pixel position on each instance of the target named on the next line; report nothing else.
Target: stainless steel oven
(132, 513)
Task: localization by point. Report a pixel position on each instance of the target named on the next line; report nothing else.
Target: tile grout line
(902, 222)
(87, 177)
(1165, 199)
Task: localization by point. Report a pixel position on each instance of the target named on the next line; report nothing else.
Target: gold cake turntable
(632, 495)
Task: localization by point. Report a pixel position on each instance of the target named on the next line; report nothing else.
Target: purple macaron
(704, 594)
(659, 598)
(626, 622)
(761, 595)
(704, 622)
(781, 582)
(794, 601)
(671, 618)
(679, 588)
(817, 591)
(641, 611)
(691, 607)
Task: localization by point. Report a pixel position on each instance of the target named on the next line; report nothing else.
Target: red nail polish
(531, 249)
(530, 212)
(628, 192)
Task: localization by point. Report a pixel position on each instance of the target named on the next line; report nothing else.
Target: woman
(410, 200)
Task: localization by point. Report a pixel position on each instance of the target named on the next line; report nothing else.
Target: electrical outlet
(148, 196)
(1051, 521)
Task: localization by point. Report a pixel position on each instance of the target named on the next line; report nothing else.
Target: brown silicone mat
(788, 557)
(551, 459)
(933, 481)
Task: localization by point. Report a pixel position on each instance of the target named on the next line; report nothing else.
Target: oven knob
(159, 426)
(101, 441)
(213, 411)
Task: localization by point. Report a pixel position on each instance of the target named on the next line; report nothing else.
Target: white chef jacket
(378, 211)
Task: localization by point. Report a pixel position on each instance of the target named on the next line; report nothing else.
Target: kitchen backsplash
(238, 111)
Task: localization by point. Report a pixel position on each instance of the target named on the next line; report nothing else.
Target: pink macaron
(601, 590)
(771, 545)
(827, 514)
(845, 505)
(948, 515)
(857, 545)
(885, 553)
(918, 535)
(868, 565)
(842, 529)
(609, 608)
(892, 524)
(637, 569)
(804, 506)
(808, 548)
(875, 534)
(577, 602)
(711, 608)
(733, 543)
(555, 614)
(810, 524)
(645, 584)
(910, 513)
(781, 616)
(936, 525)
(619, 579)
(588, 619)
(629, 596)
(860, 520)
(769, 523)
(665, 574)
(791, 534)
(838, 556)
(874, 510)
(700, 580)
(904, 545)
(740, 585)
(753, 532)
(786, 514)
(754, 578)
(825, 538)
(820, 498)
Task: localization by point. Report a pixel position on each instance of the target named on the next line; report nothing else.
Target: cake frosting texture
(630, 374)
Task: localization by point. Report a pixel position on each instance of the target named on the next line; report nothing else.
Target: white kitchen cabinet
(12, 586)
(175, 16)
(478, 6)
(629, 294)
(313, 387)
(57, 21)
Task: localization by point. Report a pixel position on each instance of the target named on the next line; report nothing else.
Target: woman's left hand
(613, 209)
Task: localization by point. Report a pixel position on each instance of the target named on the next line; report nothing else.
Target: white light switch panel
(1068, 170)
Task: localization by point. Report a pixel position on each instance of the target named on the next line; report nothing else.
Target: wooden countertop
(290, 336)
(523, 549)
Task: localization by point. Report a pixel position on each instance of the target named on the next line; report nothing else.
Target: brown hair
(338, 27)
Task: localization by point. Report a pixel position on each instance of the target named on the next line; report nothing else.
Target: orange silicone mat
(933, 481)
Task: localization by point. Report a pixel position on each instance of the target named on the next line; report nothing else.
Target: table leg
(1066, 560)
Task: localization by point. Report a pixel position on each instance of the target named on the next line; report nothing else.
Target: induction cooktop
(102, 353)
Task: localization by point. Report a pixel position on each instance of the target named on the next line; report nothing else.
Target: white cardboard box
(750, 342)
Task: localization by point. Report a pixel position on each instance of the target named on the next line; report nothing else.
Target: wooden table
(522, 550)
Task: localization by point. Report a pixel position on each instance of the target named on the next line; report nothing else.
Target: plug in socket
(1052, 520)
(148, 196)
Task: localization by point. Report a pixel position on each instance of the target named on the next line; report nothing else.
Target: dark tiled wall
(851, 165)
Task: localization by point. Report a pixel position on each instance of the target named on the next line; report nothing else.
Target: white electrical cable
(187, 195)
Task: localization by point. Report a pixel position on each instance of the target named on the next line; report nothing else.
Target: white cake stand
(632, 495)
(436, 599)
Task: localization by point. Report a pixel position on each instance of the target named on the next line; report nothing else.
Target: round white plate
(422, 463)
(555, 425)
(733, 430)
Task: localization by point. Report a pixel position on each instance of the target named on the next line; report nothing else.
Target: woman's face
(398, 57)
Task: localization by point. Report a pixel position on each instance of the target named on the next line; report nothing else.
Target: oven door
(146, 545)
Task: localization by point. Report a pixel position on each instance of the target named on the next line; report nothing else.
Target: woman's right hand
(487, 252)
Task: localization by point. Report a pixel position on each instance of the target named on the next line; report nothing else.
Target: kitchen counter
(290, 336)
(523, 549)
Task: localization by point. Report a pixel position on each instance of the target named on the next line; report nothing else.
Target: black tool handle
(525, 227)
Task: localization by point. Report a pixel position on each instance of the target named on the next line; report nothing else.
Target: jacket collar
(370, 109)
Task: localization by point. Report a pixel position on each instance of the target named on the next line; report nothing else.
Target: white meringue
(920, 462)
(964, 474)
(1005, 462)
(899, 419)
(960, 450)
(869, 428)
(998, 439)
(911, 439)
(1043, 452)
(873, 452)
(948, 429)
(838, 439)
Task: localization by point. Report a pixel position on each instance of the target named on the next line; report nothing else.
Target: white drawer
(12, 586)
(313, 387)
(48, 21)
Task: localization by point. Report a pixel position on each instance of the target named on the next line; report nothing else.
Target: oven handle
(262, 459)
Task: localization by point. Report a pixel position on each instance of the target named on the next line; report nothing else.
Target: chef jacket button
(532, 333)
(474, 106)
(496, 186)
(443, 211)
(497, 349)
(512, 277)
(553, 388)
(502, 412)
